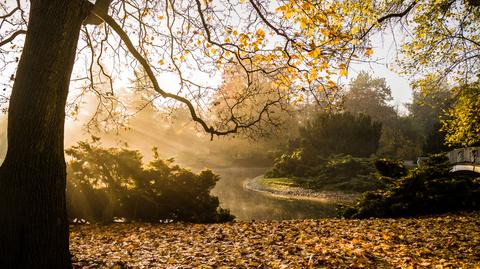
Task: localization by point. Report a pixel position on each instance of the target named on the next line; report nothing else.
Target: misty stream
(247, 204)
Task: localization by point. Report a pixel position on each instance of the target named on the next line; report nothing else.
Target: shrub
(430, 188)
(108, 183)
(390, 168)
(344, 173)
(324, 159)
(290, 165)
(339, 172)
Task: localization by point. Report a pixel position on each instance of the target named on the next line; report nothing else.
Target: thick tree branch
(10, 13)
(399, 14)
(12, 37)
(390, 16)
(100, 7)
(146, 66)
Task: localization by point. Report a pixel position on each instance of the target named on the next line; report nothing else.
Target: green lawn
(277, 183)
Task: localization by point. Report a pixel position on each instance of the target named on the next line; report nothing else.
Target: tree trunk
(33, 220)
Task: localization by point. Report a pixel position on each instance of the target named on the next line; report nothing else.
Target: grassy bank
(290, 188)
(279, 183)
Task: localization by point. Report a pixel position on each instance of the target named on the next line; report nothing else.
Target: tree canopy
(370, 96)
(302, 47)
(444, 40)
(462, 125)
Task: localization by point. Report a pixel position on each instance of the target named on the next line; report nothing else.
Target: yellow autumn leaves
(323, 30)
(432, 242)
(301, 42)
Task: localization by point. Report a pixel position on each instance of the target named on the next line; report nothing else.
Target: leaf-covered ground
(433, 242)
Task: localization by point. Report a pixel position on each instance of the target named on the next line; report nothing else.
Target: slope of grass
(277, 183)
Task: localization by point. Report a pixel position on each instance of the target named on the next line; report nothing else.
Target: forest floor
(285, 188)
(447, 241)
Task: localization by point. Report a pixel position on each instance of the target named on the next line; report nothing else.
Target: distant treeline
(361, 148)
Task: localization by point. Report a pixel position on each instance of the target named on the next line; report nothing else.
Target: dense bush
(430, 188)
(108, 183)
(331, 154)
(339, 172)
(292, 165)
(390, 168)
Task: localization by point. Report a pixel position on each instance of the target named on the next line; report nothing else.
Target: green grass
(277, 183)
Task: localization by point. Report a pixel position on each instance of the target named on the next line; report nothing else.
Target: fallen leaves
(433, 242)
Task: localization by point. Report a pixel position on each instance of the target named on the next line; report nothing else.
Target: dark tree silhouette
(34, 227)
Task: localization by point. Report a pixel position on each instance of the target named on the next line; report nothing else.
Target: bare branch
(390, 16)
(146, 66)
(10, 13)
(12, 37)
(399, 14)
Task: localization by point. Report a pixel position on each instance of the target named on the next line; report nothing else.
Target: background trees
(372, 96)
(427, 110)
(329, 134)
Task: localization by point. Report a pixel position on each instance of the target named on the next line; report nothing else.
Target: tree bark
(33, 220)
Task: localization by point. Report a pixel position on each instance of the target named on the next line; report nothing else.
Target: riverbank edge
(299, 193)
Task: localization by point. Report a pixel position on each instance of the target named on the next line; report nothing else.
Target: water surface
(247, 205)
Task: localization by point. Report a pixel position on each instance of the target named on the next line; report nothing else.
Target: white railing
(469, 155)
